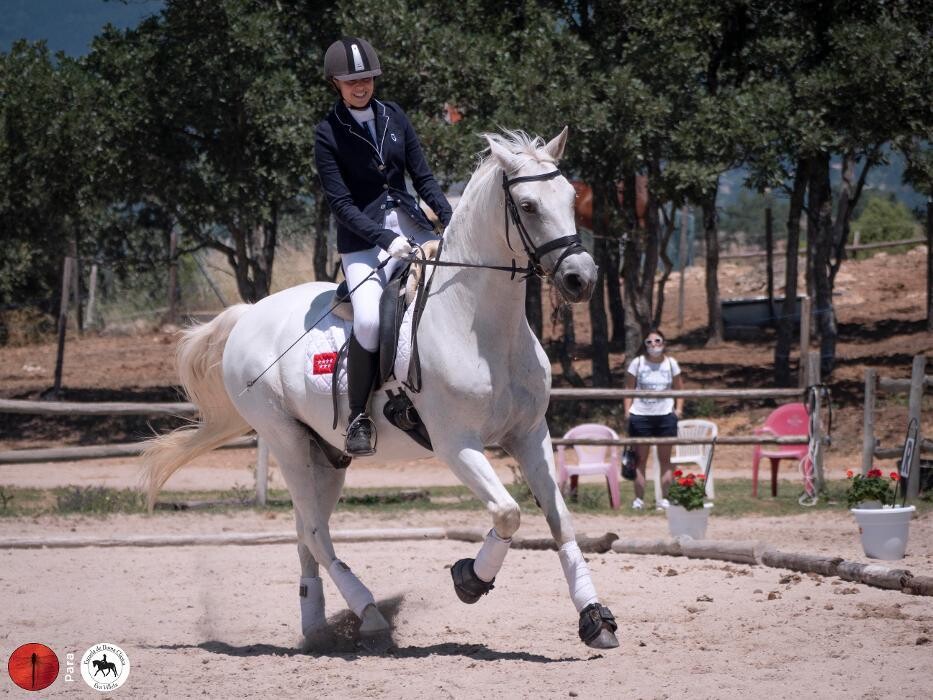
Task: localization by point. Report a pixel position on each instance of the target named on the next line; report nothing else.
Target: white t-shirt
(653, 376)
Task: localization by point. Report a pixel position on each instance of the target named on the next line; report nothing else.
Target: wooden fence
(915, 386)
(57, 454)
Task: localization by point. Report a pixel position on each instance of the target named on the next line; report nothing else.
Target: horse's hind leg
(473, 578)
(536, 457)
(315, 487)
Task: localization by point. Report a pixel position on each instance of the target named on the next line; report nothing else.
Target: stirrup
(361, 424)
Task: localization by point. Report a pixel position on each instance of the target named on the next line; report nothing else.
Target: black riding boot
(361, 374)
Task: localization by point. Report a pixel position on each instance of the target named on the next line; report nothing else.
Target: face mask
(655, 350)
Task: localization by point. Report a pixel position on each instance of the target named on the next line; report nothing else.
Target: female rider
(363, 149)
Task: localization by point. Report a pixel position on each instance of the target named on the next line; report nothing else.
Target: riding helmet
(351, 58)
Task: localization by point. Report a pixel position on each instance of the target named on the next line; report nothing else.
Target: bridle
(571, 244)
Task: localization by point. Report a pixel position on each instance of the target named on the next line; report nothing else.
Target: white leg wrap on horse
(311, 598)
(491, 555)
(577, 573)
(351, 588)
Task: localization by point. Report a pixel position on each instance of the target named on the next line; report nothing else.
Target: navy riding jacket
(359, 177)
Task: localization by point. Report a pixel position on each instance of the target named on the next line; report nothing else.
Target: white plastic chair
(592, 459)
(696, 454)
(687, 454)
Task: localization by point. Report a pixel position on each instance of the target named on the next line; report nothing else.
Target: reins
(571, 244)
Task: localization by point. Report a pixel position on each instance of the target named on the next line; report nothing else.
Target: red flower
(874, 473)
(895, 476)
(678, 472)
(849, 473)
(701, 477)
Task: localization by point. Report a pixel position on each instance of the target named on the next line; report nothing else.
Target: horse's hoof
(598, 626)
(376, 642)
(467, 585)
(604, 640)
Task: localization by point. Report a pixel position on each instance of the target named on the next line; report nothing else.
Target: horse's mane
(517, 142)
(527, 148)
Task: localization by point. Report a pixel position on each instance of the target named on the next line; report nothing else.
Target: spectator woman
(654, 370)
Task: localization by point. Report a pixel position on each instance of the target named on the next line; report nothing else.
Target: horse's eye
(528, 206)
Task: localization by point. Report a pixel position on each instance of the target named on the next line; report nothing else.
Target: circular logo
(33, 666)
(105, 667)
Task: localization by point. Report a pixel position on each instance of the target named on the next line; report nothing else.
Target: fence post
(262, 471)
(91, 298)
(67, 271)
(868, 420)
(805, 343)
(917, 379)
(813, 379)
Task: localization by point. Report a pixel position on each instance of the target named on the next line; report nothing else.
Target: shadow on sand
(344, 641)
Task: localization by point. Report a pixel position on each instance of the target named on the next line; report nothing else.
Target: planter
(691, 523)
(869, 505)
(884, 530)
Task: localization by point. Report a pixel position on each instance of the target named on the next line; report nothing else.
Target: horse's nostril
(573, 283)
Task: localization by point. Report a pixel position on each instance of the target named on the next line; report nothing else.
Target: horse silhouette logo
(105, 667)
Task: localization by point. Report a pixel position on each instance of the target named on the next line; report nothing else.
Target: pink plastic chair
(789, 419)
(592, 459)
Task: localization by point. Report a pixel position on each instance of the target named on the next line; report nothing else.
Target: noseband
(571, 244)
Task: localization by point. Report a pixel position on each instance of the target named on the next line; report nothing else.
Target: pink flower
(849, 473)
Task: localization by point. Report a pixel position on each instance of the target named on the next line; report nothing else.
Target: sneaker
(664, 504)
(638, 504)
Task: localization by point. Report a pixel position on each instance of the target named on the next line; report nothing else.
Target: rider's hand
(400, 247)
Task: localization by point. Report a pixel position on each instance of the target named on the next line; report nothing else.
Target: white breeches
(357, 265)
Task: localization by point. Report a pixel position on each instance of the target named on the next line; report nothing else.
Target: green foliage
(687, 490)
(885, 220)
(99, 500)
(873, 486)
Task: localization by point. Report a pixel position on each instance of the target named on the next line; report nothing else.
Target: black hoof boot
(361, 436)
(468, 586)
(598, 626)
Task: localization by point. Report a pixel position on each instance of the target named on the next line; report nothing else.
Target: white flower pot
(884, 530)
(691, 523)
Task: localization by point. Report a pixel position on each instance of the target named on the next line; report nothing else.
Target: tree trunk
(252, 269)
(602, 376)
(640, 261)
(714, 326)
(566, 344)
(533, 304)
(820, 227)
(321, 228)
(614, 289)
(602, 207)
(785, 335)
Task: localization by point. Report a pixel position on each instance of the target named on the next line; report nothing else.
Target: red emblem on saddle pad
(324, 363)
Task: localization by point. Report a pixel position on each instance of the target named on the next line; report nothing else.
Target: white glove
(400, 247)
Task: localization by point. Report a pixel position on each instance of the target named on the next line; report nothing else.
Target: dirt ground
(223, 621)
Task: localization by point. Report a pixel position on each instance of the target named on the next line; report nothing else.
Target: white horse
(486, 381)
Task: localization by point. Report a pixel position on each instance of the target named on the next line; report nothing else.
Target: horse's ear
(508, 161)
(555, 146)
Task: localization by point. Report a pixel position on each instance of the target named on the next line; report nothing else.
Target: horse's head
(543, 211)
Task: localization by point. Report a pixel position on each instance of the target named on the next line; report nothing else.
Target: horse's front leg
(536, 457)
(474, 578)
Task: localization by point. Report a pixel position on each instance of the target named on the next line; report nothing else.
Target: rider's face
(356, 93)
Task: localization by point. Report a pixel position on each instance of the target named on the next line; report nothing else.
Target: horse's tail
(198, 361)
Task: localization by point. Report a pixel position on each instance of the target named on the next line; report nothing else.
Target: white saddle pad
(324, 342)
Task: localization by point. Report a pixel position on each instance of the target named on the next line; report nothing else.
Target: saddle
(407, 284)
